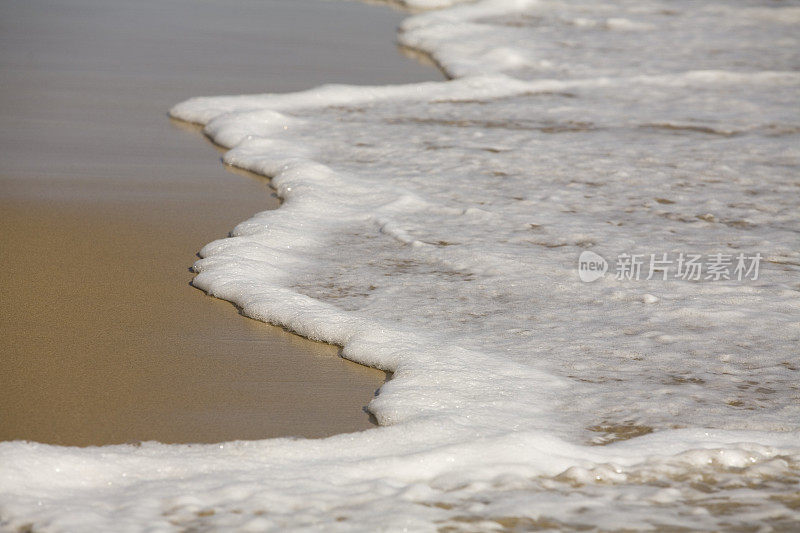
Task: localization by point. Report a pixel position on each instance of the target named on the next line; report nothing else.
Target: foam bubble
(433, 230)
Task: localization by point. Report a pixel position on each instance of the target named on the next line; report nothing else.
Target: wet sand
(104, 203)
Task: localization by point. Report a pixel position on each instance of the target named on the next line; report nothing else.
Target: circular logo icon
(591, 266)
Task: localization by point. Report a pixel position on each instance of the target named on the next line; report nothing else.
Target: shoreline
(105, 205)
(432, 230)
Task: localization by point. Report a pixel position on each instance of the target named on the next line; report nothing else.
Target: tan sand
(104, 203)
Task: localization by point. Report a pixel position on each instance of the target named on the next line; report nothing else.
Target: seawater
(433, 230)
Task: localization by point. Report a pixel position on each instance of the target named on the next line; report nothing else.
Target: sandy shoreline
(104, 203)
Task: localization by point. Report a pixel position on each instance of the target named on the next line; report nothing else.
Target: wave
(433, 230)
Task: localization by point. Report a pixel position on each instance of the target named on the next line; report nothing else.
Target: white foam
(433, 230)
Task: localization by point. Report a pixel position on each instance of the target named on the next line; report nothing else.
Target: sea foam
(433, 230)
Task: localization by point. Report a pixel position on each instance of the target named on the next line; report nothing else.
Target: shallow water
(435, 230)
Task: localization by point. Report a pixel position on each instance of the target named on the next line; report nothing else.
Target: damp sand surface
(104, 203)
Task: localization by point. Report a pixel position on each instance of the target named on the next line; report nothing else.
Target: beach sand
(104, 203)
